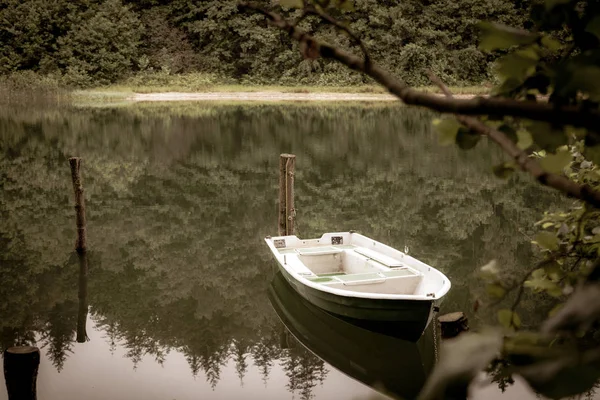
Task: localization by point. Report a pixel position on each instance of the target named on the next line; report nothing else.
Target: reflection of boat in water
(360, 279)
(389, 364)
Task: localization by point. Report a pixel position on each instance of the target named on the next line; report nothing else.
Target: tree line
(94, 42)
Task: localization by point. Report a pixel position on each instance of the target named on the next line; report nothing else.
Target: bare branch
(538, 111)
(342, 27)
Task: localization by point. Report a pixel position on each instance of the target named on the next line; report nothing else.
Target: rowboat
(396, 367)
(360, 279)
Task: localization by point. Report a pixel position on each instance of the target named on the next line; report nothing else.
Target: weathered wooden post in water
(20, 372)
(80, 247)
(287, 210)
(453, 324)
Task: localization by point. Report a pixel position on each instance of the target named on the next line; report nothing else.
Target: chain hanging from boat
(436, 326)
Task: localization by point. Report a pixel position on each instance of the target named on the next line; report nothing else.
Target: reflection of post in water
(286, 340)
(20, 372)
(80, 247)
(82, 312)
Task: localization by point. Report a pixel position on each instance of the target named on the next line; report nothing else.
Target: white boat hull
(361, 280)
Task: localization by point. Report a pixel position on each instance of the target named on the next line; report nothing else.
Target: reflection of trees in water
(59, 332)
(240, 350)
(176, 213)
(264, 352)
(303, 369)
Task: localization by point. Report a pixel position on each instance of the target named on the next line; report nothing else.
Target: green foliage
(509, 319)
(102, 47)
(500, 37)
(87, 41)
(460, 361)
(447, 129)
(94, 42)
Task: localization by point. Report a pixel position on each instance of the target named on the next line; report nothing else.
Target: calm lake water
(180, 285)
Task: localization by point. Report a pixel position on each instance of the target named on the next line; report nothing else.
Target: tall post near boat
(287, 210)
(80, 247)
(20, 372)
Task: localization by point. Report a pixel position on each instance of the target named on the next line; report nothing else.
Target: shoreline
(265, 96)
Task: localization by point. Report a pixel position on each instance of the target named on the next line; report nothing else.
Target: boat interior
(354, 268)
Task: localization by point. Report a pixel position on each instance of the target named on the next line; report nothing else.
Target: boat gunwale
(349, 293)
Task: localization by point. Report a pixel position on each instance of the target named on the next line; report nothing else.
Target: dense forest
(93, 42)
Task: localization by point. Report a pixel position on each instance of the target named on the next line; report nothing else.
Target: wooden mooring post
(453, 324)
(20, 372)
(287, 210)
(80, 247)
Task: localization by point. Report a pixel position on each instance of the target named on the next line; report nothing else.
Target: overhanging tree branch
(558, 115)
(566, 115)
(526, 163)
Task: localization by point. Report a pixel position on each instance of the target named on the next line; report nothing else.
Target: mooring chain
(435, 335)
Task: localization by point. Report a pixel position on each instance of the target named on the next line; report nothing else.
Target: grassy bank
(198, 82)
(29, 85)
(123, 89)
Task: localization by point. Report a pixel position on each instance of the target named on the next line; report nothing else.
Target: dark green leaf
(554, 271)
(524, 140)
(550, 4)
(509, 132)
(508, 318)
(461, 359)
(592, 154)
(504, 170)
(508, 85)
(593, 26)
(545, 136)
(547, 240)
(518, 65)
(560, 378)
(495, 290)
(448, 129)
(586, 79)
(592, 148)
(465, 139)
(578, 313)
(556, 163)
(496, 36)
(543, 284)
(551, 43)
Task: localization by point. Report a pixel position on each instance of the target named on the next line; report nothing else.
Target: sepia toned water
(180, 299)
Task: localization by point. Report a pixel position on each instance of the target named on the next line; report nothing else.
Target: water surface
(179, 197)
